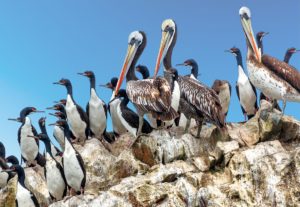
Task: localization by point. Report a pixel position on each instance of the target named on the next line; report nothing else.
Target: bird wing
(150, 94)
(283, 70)
(203, 98)
(238, 94)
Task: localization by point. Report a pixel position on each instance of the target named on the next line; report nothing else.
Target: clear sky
(43, 41)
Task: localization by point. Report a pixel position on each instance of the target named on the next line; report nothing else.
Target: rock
(8, 194)
(202, 163)
(35, 182)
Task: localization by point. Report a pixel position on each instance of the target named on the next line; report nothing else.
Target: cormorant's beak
(53, 124)
(247, 27)
(108, 85)
(51, 108)
(52, 114)
(181, 64)
(34, 137)
(113, 99)
(164, 45)
(228, 51)
(131, 51)
(38, 111)
(265, 33)
(15, 119)
(83, 74)
(57, 83)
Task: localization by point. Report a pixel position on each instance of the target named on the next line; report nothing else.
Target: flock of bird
(168, 101)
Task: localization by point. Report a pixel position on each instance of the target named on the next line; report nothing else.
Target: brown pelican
(276, 79)
(194, 92)
(150, 95)
(289, 54)
(245, 90)
(223, 89)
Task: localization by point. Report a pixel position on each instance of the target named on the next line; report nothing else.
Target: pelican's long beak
(164, 43)
(131, 51)
(247, 27)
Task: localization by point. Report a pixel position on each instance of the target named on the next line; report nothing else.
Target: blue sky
(43, 41)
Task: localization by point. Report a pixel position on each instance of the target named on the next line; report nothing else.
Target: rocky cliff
(256, 163)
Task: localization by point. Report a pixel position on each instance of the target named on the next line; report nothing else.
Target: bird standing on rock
(73, 165)
(76, 116)
(29, 147)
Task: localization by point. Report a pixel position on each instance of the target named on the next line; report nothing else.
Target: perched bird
(54, 173)
(76, 116)
(118, 127)
(129, 118)
(58, 133)
(96, 108)
(259, 38)
(42, 124)
(276, 79)
(245, 90)
(204, 99)
(289, 54)
(183, 121)
(73, 165)
(4, 176)
(149, 95)
(145, 74)
(29, 147)
(24, 197)
(223, 89)
(193, 65)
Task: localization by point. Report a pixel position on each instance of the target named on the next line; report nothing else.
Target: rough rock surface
(255, 164)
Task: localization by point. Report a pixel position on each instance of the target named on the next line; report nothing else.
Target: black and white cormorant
(129, 118)
(76, 116)
(118, 127)
(95, 109)
(149, 95)
(58, 133)
(245, 90)
(54, 173)
(194, 92)
(42, 124)
(288, 54)
(193, 65)
(24, 197)
(276, 79)
(29, 147)
(72, 162)
(223, 89)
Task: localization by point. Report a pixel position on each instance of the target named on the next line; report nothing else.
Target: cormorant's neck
(260, 44)
(67, 133)
(145, 74)
(43, 128)
(92, 82)
(21, 177)
(239, 59)
(195, 70)
(287, 57)
(125, 101)
(69, 90)
(48, 146)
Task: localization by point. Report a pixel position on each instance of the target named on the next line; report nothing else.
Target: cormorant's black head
(12, 159)
(172, 72)
(42, 121)
(64, 82)
(17, 168)
(2, 150)
(61, 123)
(292, 50)
(88, 73)
(58, 114)
(122, 93)
(190, 62)
(25, 112)
(143, 70)
(235, 51)
(56, 107)
(62, 102)
(260, 35)
(112, 84)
